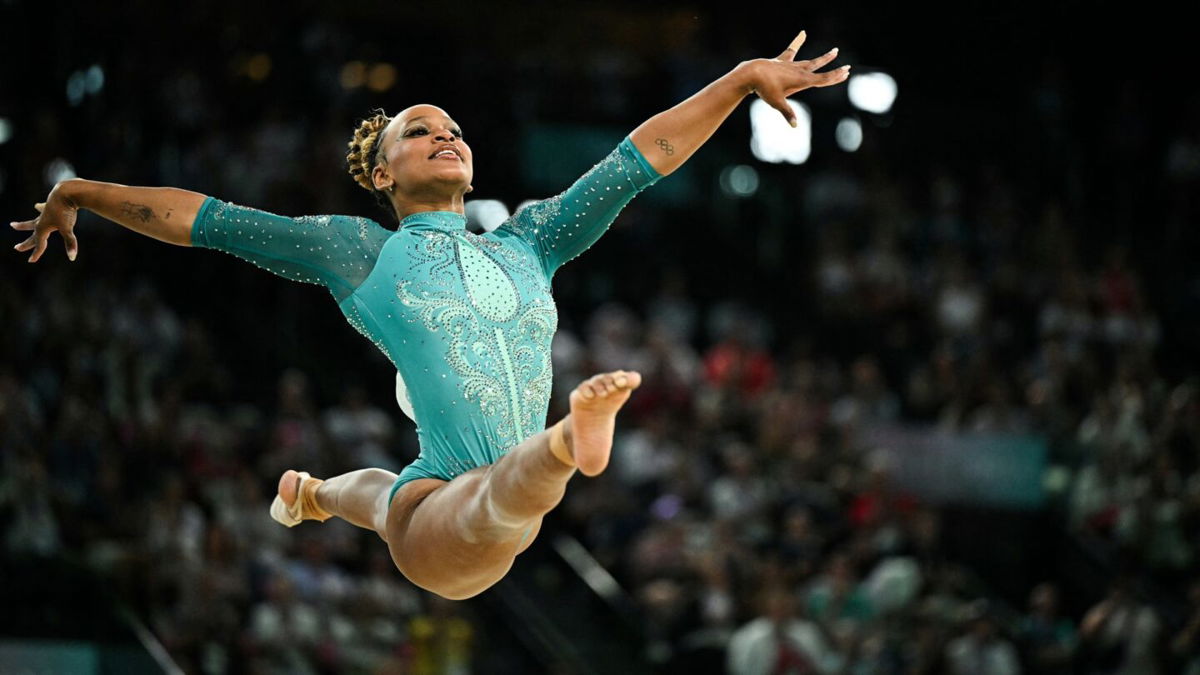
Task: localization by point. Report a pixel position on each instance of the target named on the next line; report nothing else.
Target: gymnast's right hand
(56, 214)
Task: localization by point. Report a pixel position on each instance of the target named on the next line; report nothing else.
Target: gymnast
(467, 319)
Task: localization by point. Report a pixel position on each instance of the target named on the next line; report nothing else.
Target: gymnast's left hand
(776, 79)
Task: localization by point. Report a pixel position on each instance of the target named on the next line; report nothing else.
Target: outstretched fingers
(71, 244)
(40, 248)
(820, 61)
(789, 54)
(781, 104)
(36, 241)
(794, 76)
(40, 229)
(28, 226)
(832, 77)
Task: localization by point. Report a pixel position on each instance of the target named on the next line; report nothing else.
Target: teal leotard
(467, 319)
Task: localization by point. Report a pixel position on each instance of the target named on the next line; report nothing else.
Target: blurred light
(76, 88)
(57, 171)
(739, 181)
(872, 92)
(258, 67)
(668, 506)
(849, 134)
(1056, 479)
(94, 80)
(489, 213)
(773, 140)
(5, 130)
(381, 77)
(354, 73)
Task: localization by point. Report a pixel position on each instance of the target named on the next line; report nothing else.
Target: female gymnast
(467, 319)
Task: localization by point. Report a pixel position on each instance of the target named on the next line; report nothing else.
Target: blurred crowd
(755, 527)
(744, 513)
(109, 457)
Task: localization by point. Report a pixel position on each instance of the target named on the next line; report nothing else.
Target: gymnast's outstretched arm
(333, 251)
(163, 213)
(562, 227)
(669, 138)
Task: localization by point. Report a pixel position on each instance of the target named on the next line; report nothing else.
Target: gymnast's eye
(414, 131)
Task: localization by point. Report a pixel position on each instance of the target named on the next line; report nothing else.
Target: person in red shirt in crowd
(735, 362)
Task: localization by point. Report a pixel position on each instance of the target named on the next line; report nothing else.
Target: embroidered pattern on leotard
(497, 348)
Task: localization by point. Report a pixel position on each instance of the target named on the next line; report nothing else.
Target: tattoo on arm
(665, 145)
(137, 211)
(169, 212)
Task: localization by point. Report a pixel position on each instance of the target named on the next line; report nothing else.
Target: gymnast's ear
(380, 179)
(470, 189)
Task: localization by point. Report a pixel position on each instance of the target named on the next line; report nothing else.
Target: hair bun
(361, 158)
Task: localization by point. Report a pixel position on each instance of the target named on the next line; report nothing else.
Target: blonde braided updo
(364, 153)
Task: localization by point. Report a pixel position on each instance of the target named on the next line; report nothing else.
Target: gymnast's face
(424, 155)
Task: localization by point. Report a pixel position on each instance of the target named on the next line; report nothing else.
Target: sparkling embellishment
(290, 246)
(542, 224)
(466, 290)
(464, 317)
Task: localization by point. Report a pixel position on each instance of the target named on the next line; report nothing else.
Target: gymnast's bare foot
(594, 406)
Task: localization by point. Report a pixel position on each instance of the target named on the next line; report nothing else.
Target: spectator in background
(284, 630)
(869, 401)
(25, 500)
(1047, 639)
(878, 504)
(981, 650)
(1185, 645)
(1118, 635)
(741, 493)
(1099, 490)
(175, 526)
(673, 308)
(779, 641)
(441, 639)
(738, 365)
(837, 595)
(960, 302)
(800, 541)
(614, 338)
(361, 432)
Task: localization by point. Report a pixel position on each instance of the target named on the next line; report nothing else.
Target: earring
(392, 188)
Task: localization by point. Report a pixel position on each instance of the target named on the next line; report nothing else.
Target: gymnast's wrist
(74, 192)
(744, 76)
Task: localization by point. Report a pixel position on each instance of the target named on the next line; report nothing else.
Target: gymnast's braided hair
(365, 152)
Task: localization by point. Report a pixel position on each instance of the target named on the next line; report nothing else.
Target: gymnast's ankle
(560, 442)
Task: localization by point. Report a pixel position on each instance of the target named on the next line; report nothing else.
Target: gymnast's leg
(359, 497)
(463, 536)
(458, 538)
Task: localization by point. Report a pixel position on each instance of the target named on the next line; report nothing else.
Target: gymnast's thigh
(427, 542)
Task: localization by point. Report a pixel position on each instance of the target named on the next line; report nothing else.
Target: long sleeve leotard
(467, 319)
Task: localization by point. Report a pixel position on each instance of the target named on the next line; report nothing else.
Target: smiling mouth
(446, 154)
